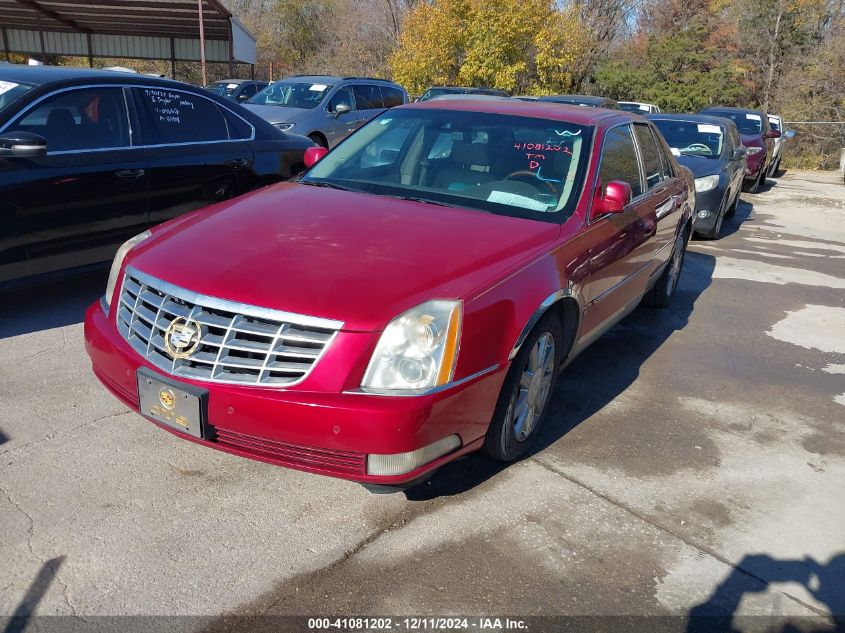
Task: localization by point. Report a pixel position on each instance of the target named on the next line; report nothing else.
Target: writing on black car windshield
(292, 94)
(510, 165)
(10, 91)
(692, 139)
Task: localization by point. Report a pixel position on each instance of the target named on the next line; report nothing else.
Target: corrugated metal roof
(118, 28)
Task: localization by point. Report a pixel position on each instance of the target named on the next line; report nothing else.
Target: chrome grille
(239, 344)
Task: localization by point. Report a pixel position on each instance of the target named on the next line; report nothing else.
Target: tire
(732, 209)
(319, 139)
(761, 177)
(660, 296)
(713, 234)
(511, 435)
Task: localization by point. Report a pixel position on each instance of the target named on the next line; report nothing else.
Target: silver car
(326, 109)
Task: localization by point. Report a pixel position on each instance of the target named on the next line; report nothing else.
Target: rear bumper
(328, 433)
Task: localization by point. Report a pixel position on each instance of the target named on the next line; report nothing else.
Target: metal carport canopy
(139, 29)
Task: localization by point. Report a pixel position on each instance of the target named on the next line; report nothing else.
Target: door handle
(129, 174)
(237, 163)
(665, 207)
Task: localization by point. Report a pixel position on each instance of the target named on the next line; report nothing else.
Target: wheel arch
(566, 308)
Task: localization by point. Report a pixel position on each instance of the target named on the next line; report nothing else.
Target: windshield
(10, 92)
(292, 94)
(436, 92)
(222, 88)
(692, 139)
(749, 123)
(509, 165)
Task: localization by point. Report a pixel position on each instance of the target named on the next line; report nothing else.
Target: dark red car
(410, 299)
(757, 137)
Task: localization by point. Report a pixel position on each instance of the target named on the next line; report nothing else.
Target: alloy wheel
(532, 390)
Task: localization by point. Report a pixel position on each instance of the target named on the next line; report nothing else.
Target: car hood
(701, 166)
(277, 114)
(357, 258)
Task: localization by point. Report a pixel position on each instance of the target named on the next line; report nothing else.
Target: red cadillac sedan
(411, 298)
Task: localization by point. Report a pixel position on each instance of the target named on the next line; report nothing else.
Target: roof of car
(584, 98)
(517, 107)
(729, 109)
(238, 81)
(40, 75)
(695, 118)
(330, 79)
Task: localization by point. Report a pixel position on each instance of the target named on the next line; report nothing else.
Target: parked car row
(409, 298)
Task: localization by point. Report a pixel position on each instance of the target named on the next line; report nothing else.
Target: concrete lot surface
(696, 462)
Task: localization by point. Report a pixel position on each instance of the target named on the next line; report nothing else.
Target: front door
(88, 194)
(622, 244)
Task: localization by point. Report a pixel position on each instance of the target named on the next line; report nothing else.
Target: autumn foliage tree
(514, 45)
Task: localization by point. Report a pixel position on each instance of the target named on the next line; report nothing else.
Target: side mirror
(243, 97)
(617, 195)
(789, 133)
(773, 134)
(22, 144)
(739, 153)
(313, 155)
(341, 108)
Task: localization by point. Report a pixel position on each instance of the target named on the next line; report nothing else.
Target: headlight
(284, 127)
(418, 349)
(706, 183)
(750, 151)
(127, 246)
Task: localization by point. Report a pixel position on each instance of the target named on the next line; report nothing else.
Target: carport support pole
(6, 44)
(202, 45)
(231, 52)
(172, 59)
(90, 52)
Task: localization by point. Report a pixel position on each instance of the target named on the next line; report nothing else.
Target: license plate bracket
(174, 404)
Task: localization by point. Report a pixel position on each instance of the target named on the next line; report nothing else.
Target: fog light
(401, 463)
(704, 213)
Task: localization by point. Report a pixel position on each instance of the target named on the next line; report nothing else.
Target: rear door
(199, 152)
(621, 244)
(75, 205)
(663, 190)
(368, 102)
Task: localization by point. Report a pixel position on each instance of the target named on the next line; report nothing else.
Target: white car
(639, 108)
(776, 123)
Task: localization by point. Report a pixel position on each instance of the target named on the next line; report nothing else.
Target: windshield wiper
(423, 200)
(326, 184)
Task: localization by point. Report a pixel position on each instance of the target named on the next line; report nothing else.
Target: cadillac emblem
(167, 398)
(182, 337)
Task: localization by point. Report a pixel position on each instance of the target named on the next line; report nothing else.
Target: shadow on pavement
(743, 214)
(23, 612)
(3, 438)
(602, 372)
(55, 304)
(754, 574)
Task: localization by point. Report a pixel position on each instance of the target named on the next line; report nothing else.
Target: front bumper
(328, 433)
(708, 202)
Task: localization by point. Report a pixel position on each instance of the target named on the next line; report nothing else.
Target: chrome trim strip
(368, 391)
(122, 87)
(547, 303)
(232, 306)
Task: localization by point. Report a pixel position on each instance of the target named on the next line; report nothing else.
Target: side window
(619, 159)
(248, 91)
(666, 171)
(88, 118)
(342, 96)
(175, 116)
(238, 128)
(367, 97)
(650, 155)
(392, 97)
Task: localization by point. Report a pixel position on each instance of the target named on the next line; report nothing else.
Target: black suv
(90, 158)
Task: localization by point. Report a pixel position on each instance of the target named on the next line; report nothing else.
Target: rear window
(392, 97)
(747, 122)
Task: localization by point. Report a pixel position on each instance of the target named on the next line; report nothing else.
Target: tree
(514, 45)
